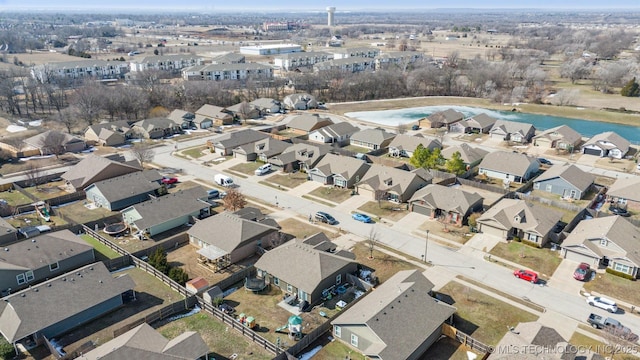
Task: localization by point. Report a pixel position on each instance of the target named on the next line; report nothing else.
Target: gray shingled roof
(534, 333)
(265, 103)
(346, 166)
(308, 122)
(562, 132)
(448, 116)
(172, 206)
(228, 232)
(379, 176)
(483, 120)
(234, 139)
(469, 154)
(5, 227)
(156, 123)
(228, 58)
(83, 173)
(144, 342)
(45, 249)
(446, 198)
(212, 111)
(512, 127)
(178, 116)
(626, 188)
(307, 153)
(126, 186)
(411, 142)
(602, 139)
(40, 140)
(400, 312)
(372, 136)
(301, 265)
(507, 162)
(338, 129)
(228, 67)
(38, 307)
(533, 218)
(569, 173)
(119, 126)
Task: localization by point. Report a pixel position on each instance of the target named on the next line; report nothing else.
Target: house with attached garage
(300, 101)
(123, 191)
(209, 115)
(340, 171)
(471, 156)
(95, 168)
(607, 144)
(399, 320)
(299, 156)
(610, 242)
(34, 260)
(560, 137)
(512, 131)
(267, 105)
(565, 180)
(404, 145)
(372, 139)
(440, 119)
(45, 310)
(108, 134)
(167, 212)
(55, 142)
(225, 143)
(261, 150)
(183, 118)
(387, 183)
(144, 342)
(626, 193)
(306, 123)
(480, 124)
(511, 218)
(338, 133)
(533, 335)
(226, 238)
(155, 128)
(304, 270)
(448, 204)
(244, 111)
(509, 166)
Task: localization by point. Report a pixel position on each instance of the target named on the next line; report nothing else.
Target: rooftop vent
(6, 249)
(33, 240)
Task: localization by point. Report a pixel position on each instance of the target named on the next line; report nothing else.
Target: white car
(603, 303)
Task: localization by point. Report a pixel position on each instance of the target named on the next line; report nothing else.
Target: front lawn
(544, 261)
(385, 265)
(584, 341)
(299, 229)
(481, 316)
(288, 180)
(196, 152)
(336, 195)
(385, 210)
(246, 168)
(615, 287)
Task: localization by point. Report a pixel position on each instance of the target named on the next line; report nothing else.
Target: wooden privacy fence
(171, 309)
(465, 339)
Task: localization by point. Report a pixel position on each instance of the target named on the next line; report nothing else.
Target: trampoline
(255, 284)
(115, 229)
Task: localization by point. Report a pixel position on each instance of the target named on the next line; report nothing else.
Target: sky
(293, 5)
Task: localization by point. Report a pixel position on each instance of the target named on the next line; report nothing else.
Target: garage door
(574, 256)
(366, 193)
(318, 178)
(493, 231)
(421, 209)
(596, 152)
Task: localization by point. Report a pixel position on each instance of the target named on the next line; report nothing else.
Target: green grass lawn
(288, 180)
(336, 195)
(336, 350)
(483, 317)
(79, 213)
(101, 249)
(14, 197)
(247, 168)
(615, 287)
(385, 210)
(544, 261)
(196, 152)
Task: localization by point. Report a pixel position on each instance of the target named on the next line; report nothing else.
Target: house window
(20, 279)
(29, 275)
(276, 281)
(622, 268)
(53, 267)
(289, 288)
(536, 185)
(603, 242)
(354, 340)
(338, 279)
(337, 331)
(532, 237)
(549, 187)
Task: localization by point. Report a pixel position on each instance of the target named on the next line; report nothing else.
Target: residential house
(399, 320)
(144, 342)
(33, 260)
(440, 119)
(55, 142)
(8, 233)
(108, 134)
(230, 71)
(461, 126)
(95, 168)
(338, 133)
(123, 191)
(155, 128)
(560, 137)
(511, 218)
(227, 238)
(300, 101)
(340, 171)
(303, 270)
(225, 144)
(306, 123)
(609, 241)
(171, 63)
(509, 166)
(305, 59)
(244, 110)
(209, 115)
(607, 144)
(372, 139)
(261, 150)
(448, 204)
(404, 145)
(471, 156)
(299, 156)
(480, 124)
(350, 64)
(387, 183)
(513, 131)
(533, 335)
(229, 58)
(626, 193)
(45, 310)
(167, 212)
(80, 69)
(565, 180)
(267, 105)
(183, 118)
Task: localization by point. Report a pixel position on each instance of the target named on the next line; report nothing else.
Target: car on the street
(323, 217)
(619, 211)
(603, 303)
(582, 272)
(169, 180)
(544, 161)
(361, 217)
(415, 127)
(527, 275)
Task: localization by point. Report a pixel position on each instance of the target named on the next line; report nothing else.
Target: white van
(223, 180)
(264, 169)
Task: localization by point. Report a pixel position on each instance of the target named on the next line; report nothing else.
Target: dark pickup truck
(601, 322)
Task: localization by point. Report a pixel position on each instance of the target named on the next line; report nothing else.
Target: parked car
(619, 211)
(612, 326)
(169, 180)
(603, 303)
(599, 322)
(527, 275)
(264, 169)
(544, 161)
(325, 218)
(415, 127)
(361, 217)
(582, 272)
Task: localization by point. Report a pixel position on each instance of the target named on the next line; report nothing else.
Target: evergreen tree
(178, 275)
(631, 89)
(420, 156)
(159, 260)
(455, 165)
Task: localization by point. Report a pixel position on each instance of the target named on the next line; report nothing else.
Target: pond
(541, 122)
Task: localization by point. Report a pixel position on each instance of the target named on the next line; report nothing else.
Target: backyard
(103, 252)
(47, 191)
(14, 197)
(615, 287)
(544, 261)
(385, 210)
(79, 213)
(333, 194)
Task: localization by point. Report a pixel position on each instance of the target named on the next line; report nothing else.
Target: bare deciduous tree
(54, 143)
(372, 240)
(33, 174)
(143, 153)
(618, 339)
(565, 97)
(234, 200)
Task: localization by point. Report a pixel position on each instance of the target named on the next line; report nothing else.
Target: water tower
(330, 11)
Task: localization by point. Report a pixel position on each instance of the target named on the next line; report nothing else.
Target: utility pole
(426, 247)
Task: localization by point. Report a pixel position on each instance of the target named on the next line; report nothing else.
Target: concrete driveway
(562, 278)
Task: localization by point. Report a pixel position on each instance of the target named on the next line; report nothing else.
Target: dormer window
(388, 182)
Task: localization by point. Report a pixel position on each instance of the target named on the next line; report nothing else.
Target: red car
(527, 275)
(169, 181)
(582, 272)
